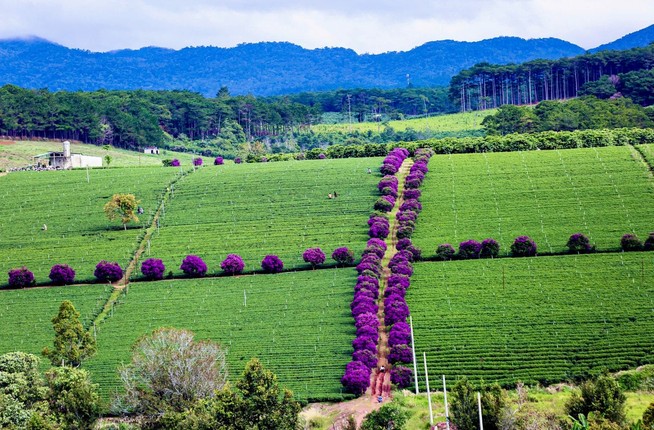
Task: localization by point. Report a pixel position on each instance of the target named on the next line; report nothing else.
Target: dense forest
(487, 86)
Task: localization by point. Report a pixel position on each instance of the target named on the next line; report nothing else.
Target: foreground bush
(489, 248)
(106, 271)
(389, 416)
(602, 396)
(445, 252)
(233, 264)
(20, 278)
(153, 269)
(272, 264)
(193, 266)
(523, 246)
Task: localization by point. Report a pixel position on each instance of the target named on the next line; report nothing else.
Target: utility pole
(349, 111)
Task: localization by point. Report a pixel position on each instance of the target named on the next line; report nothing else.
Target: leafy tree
(389, 416)
(122, 206)
(602, 88)
(465, 412)
(73, 399)
(21, 389)
(72, 344)
(170, 371)
(601, 396)
(648, 417)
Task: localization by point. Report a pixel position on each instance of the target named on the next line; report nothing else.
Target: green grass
(298, 324)
(26, 315)
(20, 153)
(547, 195)
(267, 208)
(442, 123)
(78, 233)
(543, 319)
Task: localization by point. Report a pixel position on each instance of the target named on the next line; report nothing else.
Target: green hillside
(536, 320)
(547, 195)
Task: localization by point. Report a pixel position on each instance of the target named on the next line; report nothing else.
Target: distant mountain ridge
(632, 40)
(261, 69)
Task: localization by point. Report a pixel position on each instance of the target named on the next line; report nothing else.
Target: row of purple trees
(396, 310)
(356, 378)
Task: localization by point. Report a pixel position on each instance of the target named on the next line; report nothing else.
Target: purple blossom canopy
(396, 311)
(232, 264)
(397, 291)
(364, 307)
(399, 334)
(390, 300)
(20, 278)
(343, 256)
(401, 376)
(218, 161)
(375, 250)
(579, 243)
(388, 191)
(377, 242)
(445, 252)
(198, 161)
(369, 265)
(388, 169)
(62, 274)
(370, 279)
(314, 256)
(411, 205)
(238, 160)
(469, 249)
(356, 378)
(153, 268)
(368, 331)
(415, 252)
(383, 204)
(489, 248)
(412, 194)
(412, 182)
(393, 160)
(523, 246)
(361, 299)
(380, 231)
(322, 156)
(363, 342)
(406, 216)
(388, 181)
(401, 281)
(366, 357)
(400, 354)
(367, 291)
(367, 319)
(377, 219)
(272, 264)
(175, 163)
(108, 271)
(402, 244)
(194, 266)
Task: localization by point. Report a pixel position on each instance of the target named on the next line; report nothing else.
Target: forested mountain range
(636, 39)
(261, 69)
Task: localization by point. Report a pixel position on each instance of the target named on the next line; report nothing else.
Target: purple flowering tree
(343, 256)
(579, 243)
(198, 161)
(489, 248)
(218, 161)
(107, 271)
(62, 274)
(20, 278)
(523, 246)
(153, 268)
(377, 242)
(356, 378)
(445, 252)
(272, 264)
(193, 266)
(366, 357)
(314, 256)
(401, 376)
(630, 242)
(400, 354)
(321, 156)
(469, 249)
(238, 160)
(175, 163)
(233, 264)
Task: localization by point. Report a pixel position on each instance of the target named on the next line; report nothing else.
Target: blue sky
(365, 26)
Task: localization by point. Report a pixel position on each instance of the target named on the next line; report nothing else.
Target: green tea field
(536, 320)
(547, 195)
(298, 324)
(267, 208)
(78, 233)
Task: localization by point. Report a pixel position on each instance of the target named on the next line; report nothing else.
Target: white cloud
(365, 26)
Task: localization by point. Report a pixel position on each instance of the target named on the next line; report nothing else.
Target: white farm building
(66, 160)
